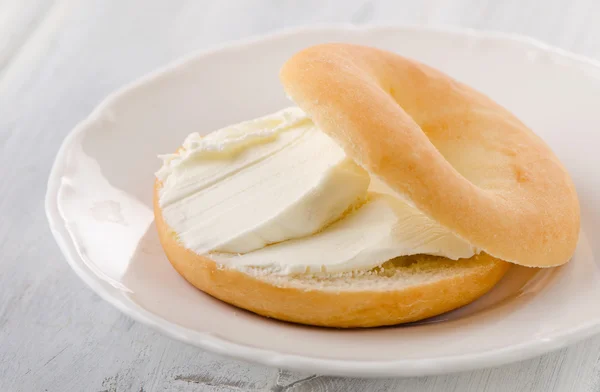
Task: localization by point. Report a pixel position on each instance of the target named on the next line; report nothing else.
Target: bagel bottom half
(405, 289)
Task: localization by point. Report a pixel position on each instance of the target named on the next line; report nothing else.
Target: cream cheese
(257, 183)
(383, 228)
(275, 193)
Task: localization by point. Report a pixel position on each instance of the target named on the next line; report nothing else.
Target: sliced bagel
(402, 290)
(461, 158)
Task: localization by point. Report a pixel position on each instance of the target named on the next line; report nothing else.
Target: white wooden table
(58, 59)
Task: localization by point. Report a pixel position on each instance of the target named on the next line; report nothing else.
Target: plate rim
(339, 367)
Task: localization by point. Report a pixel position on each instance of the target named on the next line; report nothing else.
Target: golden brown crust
(461, 158)
(331, 308)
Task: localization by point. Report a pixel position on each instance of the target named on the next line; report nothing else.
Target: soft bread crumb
(401, 272)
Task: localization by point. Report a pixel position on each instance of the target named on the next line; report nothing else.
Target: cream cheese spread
(278, 193)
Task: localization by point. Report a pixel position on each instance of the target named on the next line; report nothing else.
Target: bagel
(458, 157)
(461, 158)
(403, 290)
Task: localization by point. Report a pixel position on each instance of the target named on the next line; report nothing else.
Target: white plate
(100, 189)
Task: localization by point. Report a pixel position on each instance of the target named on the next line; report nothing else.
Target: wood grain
(58, 59)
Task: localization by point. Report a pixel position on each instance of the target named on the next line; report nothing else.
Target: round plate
(100, 190)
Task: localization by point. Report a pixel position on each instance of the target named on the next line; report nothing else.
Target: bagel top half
(459, 157)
